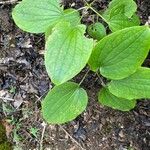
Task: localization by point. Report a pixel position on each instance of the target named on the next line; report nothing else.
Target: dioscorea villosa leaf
(136, 86)
(125, 7)
(64, 103)
(108, 99)
(71, 15)
(120, 54)
(67, 52)
(119, 22)
(121, 14)
(36, 16)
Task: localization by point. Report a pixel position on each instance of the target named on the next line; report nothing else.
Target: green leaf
(37, 16)
(121, 14)
(120, 21)
(121, 53)
(64, 103)
(136, 86)
(67, 52)
(125, 7)
(71, 15)
(97, 31)
(110, 100)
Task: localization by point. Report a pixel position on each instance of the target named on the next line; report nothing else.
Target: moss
(2, 133)
(4, 144)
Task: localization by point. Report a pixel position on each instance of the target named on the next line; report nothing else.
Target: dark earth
(24, 83)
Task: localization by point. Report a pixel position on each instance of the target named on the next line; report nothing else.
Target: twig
(7, 99)
(90, 7)
(39, 98)
(73, 140)
(43, 132)
(82, 8)
(101, 80)
(93, 2)
(8, 2)
(84, 76)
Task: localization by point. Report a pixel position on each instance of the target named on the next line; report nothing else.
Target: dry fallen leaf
(8, 127)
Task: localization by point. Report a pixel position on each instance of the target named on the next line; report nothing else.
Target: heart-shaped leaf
(121, 53)
(136, 86)
(121, 14)
(70, 15)
(67, 52)
(108, 99)
(64, 103)
(124, 7)
(36, 16)
(119, 22)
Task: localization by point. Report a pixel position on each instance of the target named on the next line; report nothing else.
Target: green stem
(98, 14)
(84, 77)
(90, 7)
(101, 80)
(93, 2)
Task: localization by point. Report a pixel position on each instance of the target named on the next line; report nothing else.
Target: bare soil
(24, 83)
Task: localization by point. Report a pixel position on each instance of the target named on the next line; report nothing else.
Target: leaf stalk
(90, 7)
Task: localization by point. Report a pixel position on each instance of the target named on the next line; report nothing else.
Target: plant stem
(93, 2)
(98, 14)
(102, 82)
(84, 77)
(90, 7)
(73, 140)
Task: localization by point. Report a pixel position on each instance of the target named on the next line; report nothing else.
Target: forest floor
(24, 83)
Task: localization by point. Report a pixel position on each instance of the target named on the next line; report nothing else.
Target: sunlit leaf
(64, 103)
(121, 53)
(121, 14)
(67, 52)
(36, 16)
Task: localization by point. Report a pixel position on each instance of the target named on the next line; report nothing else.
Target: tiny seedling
(117, 56)
(34, 131)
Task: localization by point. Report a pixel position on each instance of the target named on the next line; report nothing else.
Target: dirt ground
(24, 83)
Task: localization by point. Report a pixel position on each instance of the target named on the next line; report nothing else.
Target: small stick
(73, 140)
(84, 77)
(43, 132)
(90, 7)
(7, 99)
(101, 80)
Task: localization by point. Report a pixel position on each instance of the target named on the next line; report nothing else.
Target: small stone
(121, 134)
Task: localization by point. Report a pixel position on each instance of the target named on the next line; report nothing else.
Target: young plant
(117, 56)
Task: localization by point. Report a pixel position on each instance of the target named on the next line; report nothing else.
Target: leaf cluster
(117, 56)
